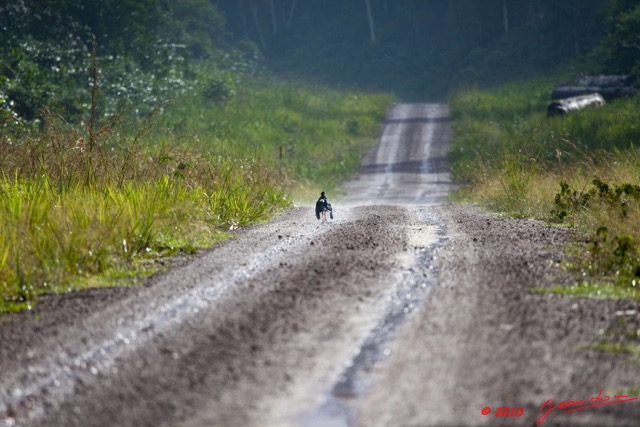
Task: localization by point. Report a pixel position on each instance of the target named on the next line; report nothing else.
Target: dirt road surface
(402, 311)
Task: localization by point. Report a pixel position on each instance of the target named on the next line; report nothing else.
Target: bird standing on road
(322, 207)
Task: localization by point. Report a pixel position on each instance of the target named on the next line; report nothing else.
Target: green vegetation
(633, 392)
(419, 49)
(313, 133)
(619, 348)
(614, 347)
(595, 291)
(580, 170)
(621, 338)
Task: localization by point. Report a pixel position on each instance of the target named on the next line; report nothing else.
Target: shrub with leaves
(614, 197)
(612, 250)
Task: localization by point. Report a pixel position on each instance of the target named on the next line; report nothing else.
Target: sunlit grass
(317, 135)
(57, 242)
(510, 122)
(594, 290)
(613, 347)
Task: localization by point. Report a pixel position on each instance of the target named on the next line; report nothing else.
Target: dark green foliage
(421, 48)
(353, 127)
(198, 25)
(620, 48)
(610, 253)
(143, 48)
(617, 256)
(417, 48)
(43, 58)
(569, 200)
(218, 88)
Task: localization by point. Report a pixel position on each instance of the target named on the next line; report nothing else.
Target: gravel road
(402, 311)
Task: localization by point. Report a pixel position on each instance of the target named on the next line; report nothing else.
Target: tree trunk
(576, 103)
(505, 16)
(273, 17)
(291, 12)
(243, 13)
(372, 29)
(256, 20)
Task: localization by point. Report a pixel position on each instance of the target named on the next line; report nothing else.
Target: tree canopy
(144, 50)
(417, 47)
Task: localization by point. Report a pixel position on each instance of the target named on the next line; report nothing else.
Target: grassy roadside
(582, 170)
(315, 134)
(96, 203)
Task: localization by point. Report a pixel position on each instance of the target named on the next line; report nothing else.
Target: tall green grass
(53, 241)
(581, 170)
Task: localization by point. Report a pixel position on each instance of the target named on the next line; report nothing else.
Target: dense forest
(146, 52)
(424, 48)
(151, 50)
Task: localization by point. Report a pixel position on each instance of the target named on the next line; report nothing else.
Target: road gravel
(403, 311)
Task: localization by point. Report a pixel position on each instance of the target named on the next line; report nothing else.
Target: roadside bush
(609, 215)
(616, 198)
(218, 88)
